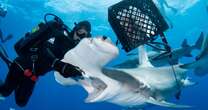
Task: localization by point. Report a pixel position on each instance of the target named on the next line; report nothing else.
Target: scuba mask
(83, 35)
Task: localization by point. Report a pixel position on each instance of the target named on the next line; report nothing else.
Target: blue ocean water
(188, 22)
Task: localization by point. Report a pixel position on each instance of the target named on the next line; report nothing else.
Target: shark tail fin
(199, 68)
(198, 45)
(199, 42)
(166, 104)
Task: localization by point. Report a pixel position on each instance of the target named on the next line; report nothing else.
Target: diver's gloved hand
(65, 69)
(68, 70)
(71, 71)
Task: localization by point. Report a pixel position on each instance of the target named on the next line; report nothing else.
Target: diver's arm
(65, 69)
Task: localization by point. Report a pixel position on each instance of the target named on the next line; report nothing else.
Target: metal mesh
(135, 22)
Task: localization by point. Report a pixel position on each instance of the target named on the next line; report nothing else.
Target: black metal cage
(136, 22)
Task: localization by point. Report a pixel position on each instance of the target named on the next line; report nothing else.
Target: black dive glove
(67, 70)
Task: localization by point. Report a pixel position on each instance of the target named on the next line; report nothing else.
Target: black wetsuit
(23, 72)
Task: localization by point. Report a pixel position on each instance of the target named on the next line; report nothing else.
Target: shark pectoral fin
(64, 81)
(166, 104)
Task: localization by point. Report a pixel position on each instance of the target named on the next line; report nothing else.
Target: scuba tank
(43, 32)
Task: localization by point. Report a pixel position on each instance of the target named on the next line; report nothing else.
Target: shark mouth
(94, 87)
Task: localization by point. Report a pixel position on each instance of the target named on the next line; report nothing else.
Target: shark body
(136, 87)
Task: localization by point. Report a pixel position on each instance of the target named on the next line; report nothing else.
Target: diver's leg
(11, 81)
(24, 91)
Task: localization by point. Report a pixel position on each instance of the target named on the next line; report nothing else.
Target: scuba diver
(39, 52)
(3, 53)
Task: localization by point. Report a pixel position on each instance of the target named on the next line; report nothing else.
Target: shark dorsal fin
(143, 58)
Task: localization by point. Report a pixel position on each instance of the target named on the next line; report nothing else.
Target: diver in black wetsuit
(40, 54)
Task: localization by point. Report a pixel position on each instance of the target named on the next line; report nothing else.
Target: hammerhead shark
(135, 87)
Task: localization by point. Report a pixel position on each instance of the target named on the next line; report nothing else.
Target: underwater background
(190, 19)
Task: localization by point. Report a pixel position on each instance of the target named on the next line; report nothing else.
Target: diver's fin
(143, 58)
(166, 104)
(199, 42)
